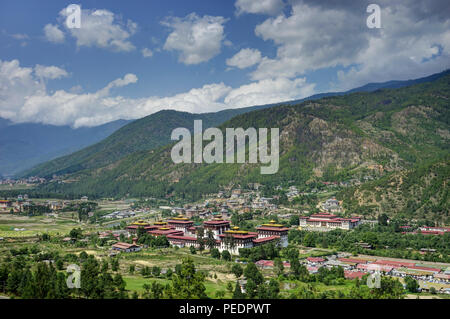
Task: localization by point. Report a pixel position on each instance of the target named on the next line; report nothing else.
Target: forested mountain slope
(381, 134)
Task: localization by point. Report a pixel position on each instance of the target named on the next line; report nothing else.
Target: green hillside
(154, 131)
(332, 139)
(421, 192)
(144, 134)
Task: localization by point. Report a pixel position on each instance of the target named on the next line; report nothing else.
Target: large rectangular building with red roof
(328, 221)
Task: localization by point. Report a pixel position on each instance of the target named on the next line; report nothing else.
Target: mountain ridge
(135, 136)
(27, 144)
(338, 138)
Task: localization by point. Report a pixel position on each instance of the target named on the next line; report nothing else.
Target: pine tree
(237, 294)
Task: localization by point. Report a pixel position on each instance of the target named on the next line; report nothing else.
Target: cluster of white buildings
(119, 215)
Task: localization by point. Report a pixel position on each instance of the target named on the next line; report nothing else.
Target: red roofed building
(165, 231)
(328, 221)
(180, 223)
(217, 225)
(315, 259)
(353, 274)
(352, 260)
(272, 229)
(234, 239)
(375, 267)
(270, 263)
(443, 277)
(264, 240)
(435, 270)
(125, 247)
(393, 263)
(434, 230)
(133, 228)
(182, 241)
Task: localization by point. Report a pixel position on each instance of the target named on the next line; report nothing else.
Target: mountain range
(25, 145)
(154, 131)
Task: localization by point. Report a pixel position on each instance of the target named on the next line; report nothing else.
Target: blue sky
(204, 55)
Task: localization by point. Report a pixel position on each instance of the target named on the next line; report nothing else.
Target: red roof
(278, 229)
(265, 239)
(159, 232)
(425, 268)
(240, 236)
(372, 266)
(264, 263)
(353, 274)
(181, 237)
(394, 263)
(315, 259)
(353, 260)
(431, 232)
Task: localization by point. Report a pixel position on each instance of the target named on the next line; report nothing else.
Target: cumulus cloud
(25, 98)
(414, 41)
(310, 38)
(49, 72)
(269, 91)
(16, 84)
(197, 39)
(146, 53)
(99, 28)
(270, 7)
(53, 33)
(245, 58)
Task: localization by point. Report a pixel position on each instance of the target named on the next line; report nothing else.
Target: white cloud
(16, 84)
(310, 38)
(197, 39)
(414, 41)
(49, 72)
(146, 53)
(25, 98)
(245, 58)
(271, 7)
(20, 36)
(269, 91)
(127, 79)
(53, 33)
(102, 29)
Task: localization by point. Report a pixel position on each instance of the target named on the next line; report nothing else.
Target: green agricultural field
(16, 187)
(34, 226)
